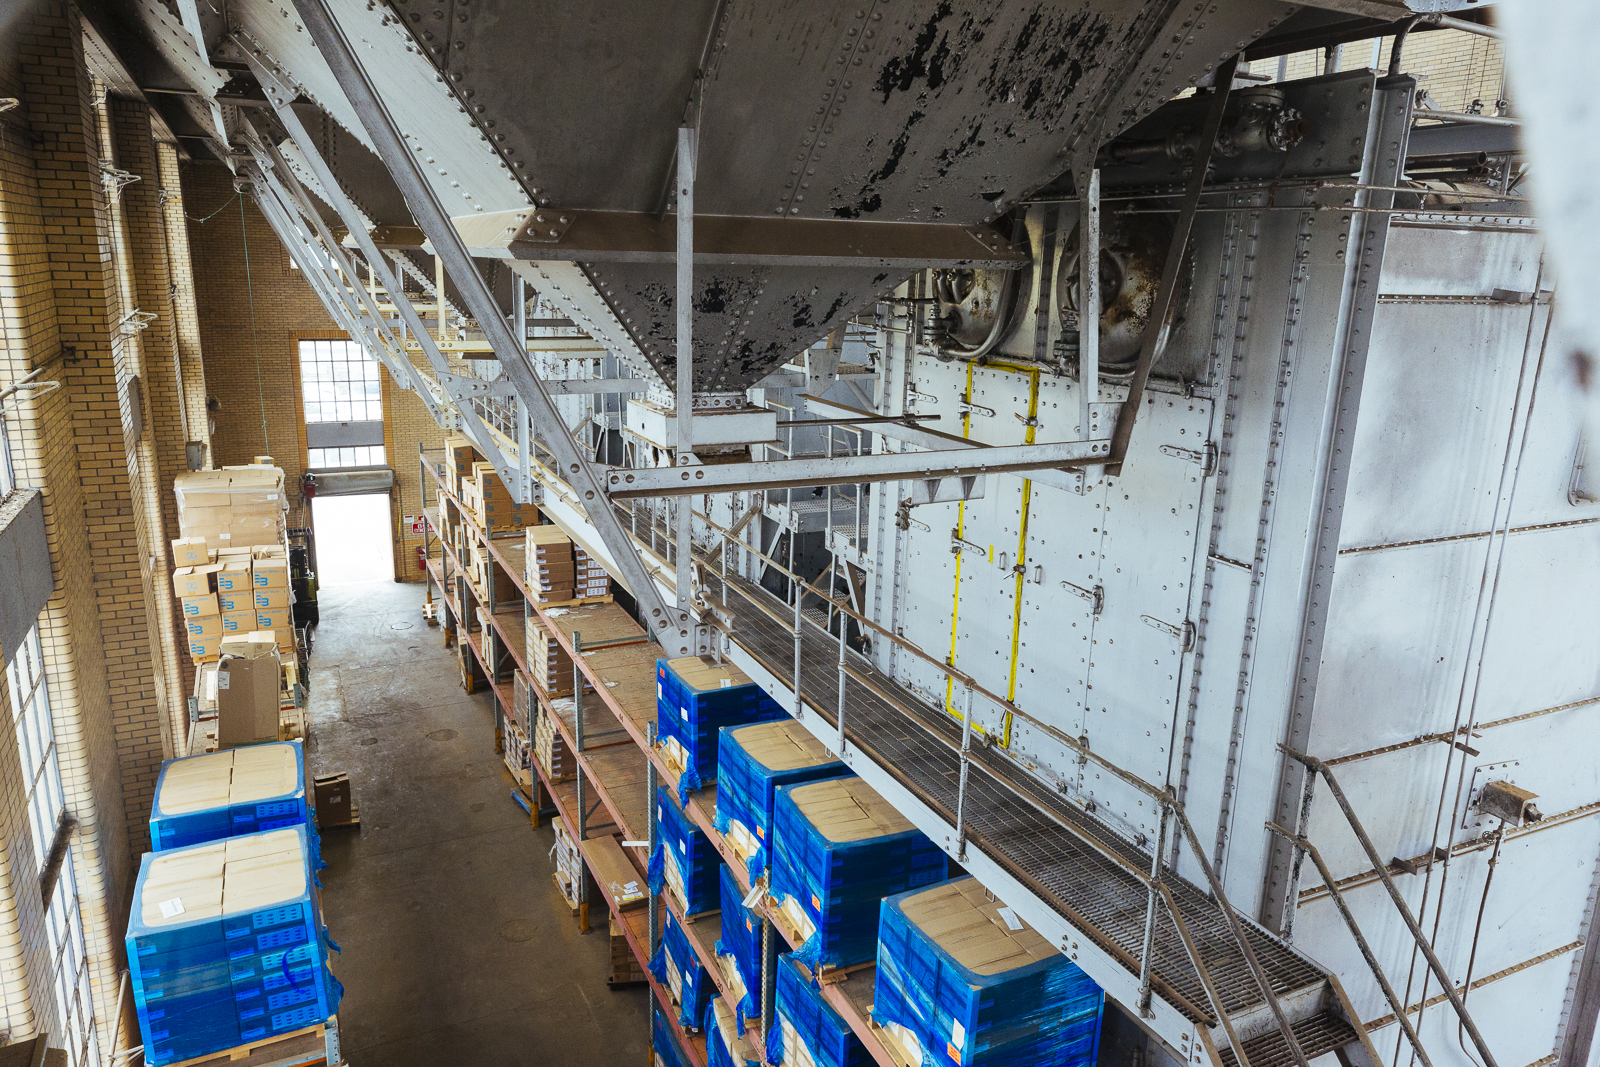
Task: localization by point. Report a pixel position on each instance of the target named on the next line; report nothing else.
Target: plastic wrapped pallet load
(226, 945)
(838, 849)
(739, 948)
(663, 1043)
(962, 980)
(684, 860)
(752, 762)
(809, 1032)
(726, 1044)
(678, 969)
(228, 793)
(695, 698)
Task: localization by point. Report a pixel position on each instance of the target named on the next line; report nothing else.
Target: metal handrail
(1155, 881)
(1315, 767)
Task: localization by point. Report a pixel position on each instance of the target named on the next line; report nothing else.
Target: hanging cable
(1477, 929)
(215, 213)
(255, 343)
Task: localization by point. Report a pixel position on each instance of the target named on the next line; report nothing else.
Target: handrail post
(844, 626)
(961, 788)
(1204, 974)
(794, 586)
(1148, 945)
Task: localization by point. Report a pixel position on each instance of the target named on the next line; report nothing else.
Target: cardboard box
(205, 649)
(616, 875)
(332, 800)
(261, 461)
(273, 551)
(285, 640)
(238, 622)
(250, 645)
(247, 699)
(204, 626)
(235, 602)
(194, 581)
(233, 578)
(270, 573)
(275, 619)
(267, 599)
(190, 552)
(196, 606)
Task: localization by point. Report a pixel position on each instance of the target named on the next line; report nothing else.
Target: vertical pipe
(961, 788)
(1148, 945)
(685, 378)
(1088, 307)
(844, 626)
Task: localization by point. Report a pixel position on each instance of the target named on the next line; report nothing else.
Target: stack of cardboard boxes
(551, 571)
(490, 502)
(590, 580)
(459, 456)
(548, 663)
(233, 506)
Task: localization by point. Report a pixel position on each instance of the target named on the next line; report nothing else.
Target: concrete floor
(458, 949)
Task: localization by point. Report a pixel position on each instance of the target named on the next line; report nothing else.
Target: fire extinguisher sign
(415, 522)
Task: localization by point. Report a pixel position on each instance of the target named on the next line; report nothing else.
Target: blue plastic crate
(804, 1017)
(752, 762)
(664, 1041)
(1024, 1005)
(834, 874)
(726, 1045)
(206, 978)
(676, 956)
(741, 939)
(252, 804)
(694, 701)
(687, 851)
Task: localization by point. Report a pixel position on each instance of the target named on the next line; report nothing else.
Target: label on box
(171, 909)
(1011, 918)
(958, 1033)
(222, 679)
(683, 847)
(727, 683)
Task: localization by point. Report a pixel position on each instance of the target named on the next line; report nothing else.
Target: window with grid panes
(343, 398)
(46, 803)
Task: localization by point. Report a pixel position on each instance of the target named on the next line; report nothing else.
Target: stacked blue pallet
(229, 793)
(752, 762)
(226, 945)
(962, 980)
(741, 941)
(684, 858)
(838, 849)
(664, 1042)
(808, 1030)
(676, 966)
(726, 1044)
(695, 699)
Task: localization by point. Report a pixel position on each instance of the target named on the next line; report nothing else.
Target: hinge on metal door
(1184, 634)
(1206, 457)
(1096, 596)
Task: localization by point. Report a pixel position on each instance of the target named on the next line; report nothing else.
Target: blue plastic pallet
(686, 846)
(693, 714)
(1041, 1011)
(175, 829)
(663, 1041)
(204, 982)
(698, 989)
(747, 786)
(837, 883)
(827, 1038)
(741, 939)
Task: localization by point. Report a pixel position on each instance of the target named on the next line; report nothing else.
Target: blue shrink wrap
(695, 699)
(962, 980)
(752, 762)
(741, 942)
(226, 945)
(684, 859)
(678, 969)
(229, 793)
(726, 1044)
(806, 1023)
(838, 849)
(664, 1042)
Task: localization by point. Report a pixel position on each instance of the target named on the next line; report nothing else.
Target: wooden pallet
(583, 601)
(281, 1048)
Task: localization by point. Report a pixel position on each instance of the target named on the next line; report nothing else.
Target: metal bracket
(1184, 634)
(1096, 596)
(957, 543)
(946, 490)
(1206, 457)
(967, 407)
(459, 388)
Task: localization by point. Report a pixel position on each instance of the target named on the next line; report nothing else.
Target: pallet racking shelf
(620, 676)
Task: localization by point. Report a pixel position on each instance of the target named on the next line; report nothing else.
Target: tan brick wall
(252, 389)
(1456, 68)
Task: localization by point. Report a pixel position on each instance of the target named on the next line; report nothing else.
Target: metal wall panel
(26, 580)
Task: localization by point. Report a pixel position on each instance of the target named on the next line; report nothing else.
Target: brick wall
(254, 371)
(1456, 68)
